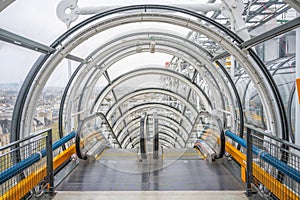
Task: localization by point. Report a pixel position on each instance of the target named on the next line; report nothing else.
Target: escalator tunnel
(149, 126)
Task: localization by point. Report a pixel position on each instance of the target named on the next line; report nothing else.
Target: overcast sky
(37, 20)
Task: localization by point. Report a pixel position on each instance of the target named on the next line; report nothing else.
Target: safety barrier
(211, 142)
(273, 167)
(27, 165)
(90, 138)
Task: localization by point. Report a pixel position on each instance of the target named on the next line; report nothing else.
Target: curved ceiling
(214, 96)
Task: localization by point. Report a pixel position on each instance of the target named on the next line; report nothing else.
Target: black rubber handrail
(156, 137)
(142, 136)
(78, 139)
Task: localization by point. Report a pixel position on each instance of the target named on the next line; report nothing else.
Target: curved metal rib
(148, 106)
(164, 131)
(160, 71)
(142, 91)
(133, 122)
(274, 110)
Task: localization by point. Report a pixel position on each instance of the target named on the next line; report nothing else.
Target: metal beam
(291, 25)
(261, 9)
(5, 3)
(220, 56)
(75, 58)
(268, 18)
(21, 41)
(294, 4)
(18, 40)
(197, 7)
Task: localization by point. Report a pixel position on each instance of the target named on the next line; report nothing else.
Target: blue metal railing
(275, 162)
(20, 166)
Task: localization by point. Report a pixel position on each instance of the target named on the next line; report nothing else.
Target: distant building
(4, 139)
(5, 126)
(47, 109)
(4, 132)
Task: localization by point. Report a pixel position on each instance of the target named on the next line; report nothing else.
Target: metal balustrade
(27, 165)
(273, 165)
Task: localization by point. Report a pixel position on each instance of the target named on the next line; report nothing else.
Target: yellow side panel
(243, 174)
(25, 185)
(298, 88)
(277, 188)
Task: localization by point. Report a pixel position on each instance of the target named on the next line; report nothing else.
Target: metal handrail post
(49, 150)
(249, 162)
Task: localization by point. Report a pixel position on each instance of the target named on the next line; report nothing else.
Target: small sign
(167, 64)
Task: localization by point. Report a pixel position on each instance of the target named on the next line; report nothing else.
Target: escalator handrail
(78, 139)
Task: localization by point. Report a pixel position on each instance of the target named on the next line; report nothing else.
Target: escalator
(105, 167)
(92, 137)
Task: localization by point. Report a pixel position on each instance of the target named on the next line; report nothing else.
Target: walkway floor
(152, 195)
(120, 171)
